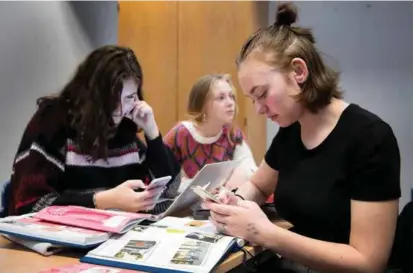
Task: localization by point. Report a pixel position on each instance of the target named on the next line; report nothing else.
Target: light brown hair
(280, 43)
(201, 91)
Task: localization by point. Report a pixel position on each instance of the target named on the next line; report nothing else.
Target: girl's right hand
(125, 198)
(225, 196)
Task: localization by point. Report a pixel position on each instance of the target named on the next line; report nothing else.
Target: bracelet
(94, 200)
(238, 195)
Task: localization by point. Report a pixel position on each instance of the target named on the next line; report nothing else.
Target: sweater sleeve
(39, 165)
(160, 161)
(171, 140)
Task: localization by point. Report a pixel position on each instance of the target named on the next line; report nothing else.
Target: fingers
(223, 199)
(142, 109)
(220, 208)
(149, 208)
(147, 199)
(219, 218)
(137, 113)
(224, 195)
(220, 226)
(215, 191)
(147, 205)
(214, 222)
(150, 194)
(244, 204)
(134, 184)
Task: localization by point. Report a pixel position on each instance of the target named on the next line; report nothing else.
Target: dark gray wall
(41, 43)
(98, 20)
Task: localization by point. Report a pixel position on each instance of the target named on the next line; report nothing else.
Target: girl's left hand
(246, 220)
(143, 116)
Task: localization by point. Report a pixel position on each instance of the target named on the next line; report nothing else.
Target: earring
(204, 117)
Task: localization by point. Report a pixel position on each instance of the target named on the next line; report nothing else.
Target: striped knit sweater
(49, 168)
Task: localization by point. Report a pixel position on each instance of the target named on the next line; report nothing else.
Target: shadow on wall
(96, 27)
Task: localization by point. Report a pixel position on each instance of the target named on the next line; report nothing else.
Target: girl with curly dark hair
(81, 146)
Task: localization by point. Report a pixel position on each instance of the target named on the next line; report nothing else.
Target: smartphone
(156, 183)
(159, 182)
(203, 193)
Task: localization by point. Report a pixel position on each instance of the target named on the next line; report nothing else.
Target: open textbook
(170, 245)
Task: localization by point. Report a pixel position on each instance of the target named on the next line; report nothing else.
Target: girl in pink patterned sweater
(209, 135)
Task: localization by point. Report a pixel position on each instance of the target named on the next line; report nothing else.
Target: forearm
(316, 254)
(250, 192)
(159, 160)
(84, 199)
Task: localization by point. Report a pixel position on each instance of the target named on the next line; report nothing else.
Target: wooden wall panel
(150, 29)
(210, 35)
(178, 41)
(256, 130)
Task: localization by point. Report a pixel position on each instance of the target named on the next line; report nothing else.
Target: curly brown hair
(94, 93)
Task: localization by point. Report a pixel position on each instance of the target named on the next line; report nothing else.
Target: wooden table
(15, 258)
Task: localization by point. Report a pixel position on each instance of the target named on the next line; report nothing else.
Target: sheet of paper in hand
(210, 177)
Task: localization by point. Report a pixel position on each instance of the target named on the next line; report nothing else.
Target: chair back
(402, 250)
(5, 198)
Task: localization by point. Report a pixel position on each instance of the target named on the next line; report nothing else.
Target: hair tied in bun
(286, 15)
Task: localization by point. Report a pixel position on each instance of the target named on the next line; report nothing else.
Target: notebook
(44, 248)
(102, 220)
(29, 230)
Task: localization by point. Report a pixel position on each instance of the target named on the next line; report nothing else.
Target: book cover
(102, 220)
(44, 248)
(29, 228)
(86, 268)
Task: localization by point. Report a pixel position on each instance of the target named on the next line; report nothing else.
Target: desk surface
(15, 258)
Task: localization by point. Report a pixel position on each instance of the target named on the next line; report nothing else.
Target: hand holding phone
(159, 182)
(156, 183)
(205, 195)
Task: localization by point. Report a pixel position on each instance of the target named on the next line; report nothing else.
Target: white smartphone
(159, 182)
(203, 193)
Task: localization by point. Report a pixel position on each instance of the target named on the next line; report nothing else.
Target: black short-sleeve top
(359, 160)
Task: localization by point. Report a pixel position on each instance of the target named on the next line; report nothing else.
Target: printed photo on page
(205, 237)
(139, 228)
(136, 250)
(191, 252)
